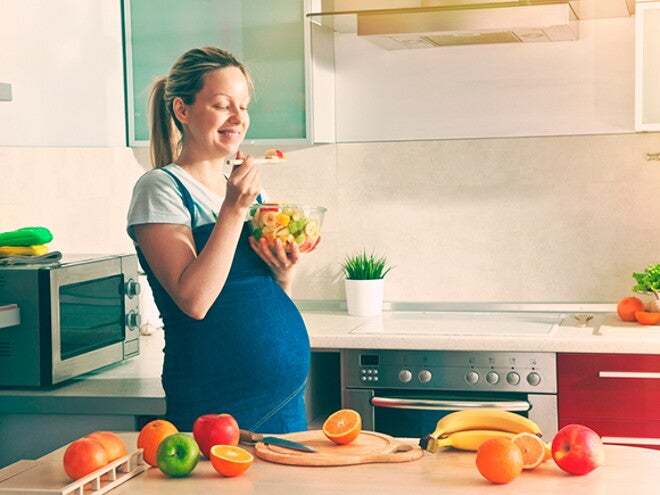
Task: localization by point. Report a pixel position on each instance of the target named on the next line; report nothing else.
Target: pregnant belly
(249, 336)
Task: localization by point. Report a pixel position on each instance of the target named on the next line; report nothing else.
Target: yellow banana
(467, 439)
(480, 419)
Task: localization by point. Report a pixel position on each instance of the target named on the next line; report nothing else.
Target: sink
(463, 323)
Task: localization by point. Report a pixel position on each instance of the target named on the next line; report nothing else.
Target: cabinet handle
(447, 405)
(632, 440)
(628, 374)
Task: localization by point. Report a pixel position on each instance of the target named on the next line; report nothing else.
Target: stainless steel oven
(404, 393)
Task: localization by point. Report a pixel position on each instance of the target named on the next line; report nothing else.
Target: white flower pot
(365, 297)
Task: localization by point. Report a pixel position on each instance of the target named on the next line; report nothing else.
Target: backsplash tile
(531, 219)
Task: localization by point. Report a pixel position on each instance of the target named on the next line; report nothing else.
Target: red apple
(215, 429)
(577, 449)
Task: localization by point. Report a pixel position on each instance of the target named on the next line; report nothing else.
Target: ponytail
(164, 139)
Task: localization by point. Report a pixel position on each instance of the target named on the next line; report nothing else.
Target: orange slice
(533, 449)
(343, 426)
(230, 460)
(647, 318)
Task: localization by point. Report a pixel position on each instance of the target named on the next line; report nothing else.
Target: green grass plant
(365, 266)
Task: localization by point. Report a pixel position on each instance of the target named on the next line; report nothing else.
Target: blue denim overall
(248, 357)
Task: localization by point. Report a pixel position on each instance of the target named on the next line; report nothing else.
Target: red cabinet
(618, 395)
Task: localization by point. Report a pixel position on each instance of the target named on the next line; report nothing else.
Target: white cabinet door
(64, 62)
(647, 66)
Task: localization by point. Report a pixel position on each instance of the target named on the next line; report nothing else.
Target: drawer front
(606, 386)
(636, 433)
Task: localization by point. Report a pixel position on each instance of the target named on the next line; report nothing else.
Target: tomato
(113, 445)
(627, 308)
(84, 456)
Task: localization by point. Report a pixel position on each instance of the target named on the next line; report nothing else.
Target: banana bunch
(468, 429)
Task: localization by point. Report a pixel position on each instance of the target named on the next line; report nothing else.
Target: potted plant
(648, 282)
(364, 283)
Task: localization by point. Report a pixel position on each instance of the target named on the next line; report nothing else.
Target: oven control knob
(472, 377)
(132, 288)
(512, 378)
(133, 320)
(425, 376)
(492, 377)
(534, 378)
(405, 376)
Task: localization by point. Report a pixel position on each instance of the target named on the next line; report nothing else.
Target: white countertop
(605, 333)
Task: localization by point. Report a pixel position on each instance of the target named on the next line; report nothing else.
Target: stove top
(463, 323)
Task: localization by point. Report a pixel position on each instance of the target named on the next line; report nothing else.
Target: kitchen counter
(133, 387)
(626, 469)
(122, 396)
(605, 333)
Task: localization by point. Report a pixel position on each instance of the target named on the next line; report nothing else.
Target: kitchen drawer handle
(628, 374)
(632, 441)
(447, 405)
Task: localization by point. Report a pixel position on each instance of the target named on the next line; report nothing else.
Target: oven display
(369, 359)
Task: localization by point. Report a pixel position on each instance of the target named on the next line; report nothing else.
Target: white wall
(64, 61)
(516, 219)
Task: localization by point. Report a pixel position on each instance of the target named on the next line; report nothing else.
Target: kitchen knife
(283, 442)
(250, 438)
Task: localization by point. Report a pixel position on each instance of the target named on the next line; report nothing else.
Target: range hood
(5, 92)
(401, 24)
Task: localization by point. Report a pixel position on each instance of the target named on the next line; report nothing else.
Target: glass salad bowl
(289, 223)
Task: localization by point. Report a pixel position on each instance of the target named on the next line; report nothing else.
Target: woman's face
(216, 123)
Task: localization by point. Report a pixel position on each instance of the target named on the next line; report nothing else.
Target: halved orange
(343, 426)
(230, 460)
(533, 449)
(647, 318)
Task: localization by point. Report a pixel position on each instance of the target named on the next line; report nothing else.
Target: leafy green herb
(648, 280)
(363, 266)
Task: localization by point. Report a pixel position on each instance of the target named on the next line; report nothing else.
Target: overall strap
(187, 198)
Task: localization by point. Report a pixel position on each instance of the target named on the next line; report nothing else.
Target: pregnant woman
(234, 340)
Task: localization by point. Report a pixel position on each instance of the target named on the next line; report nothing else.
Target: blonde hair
(185, 80)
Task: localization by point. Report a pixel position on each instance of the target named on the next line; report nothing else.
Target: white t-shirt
(158, 199)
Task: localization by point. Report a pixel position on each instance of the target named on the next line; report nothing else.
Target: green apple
(177, 455)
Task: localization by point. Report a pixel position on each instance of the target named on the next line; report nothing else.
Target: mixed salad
(288, 223)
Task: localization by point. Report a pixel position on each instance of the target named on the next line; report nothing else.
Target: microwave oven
(74, 316)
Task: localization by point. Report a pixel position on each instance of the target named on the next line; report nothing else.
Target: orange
(533, 449)
(150, 437)
(230, 460)
(343, 426)
(111, 442)
(627, 307)
(499, 460)
(647, 318)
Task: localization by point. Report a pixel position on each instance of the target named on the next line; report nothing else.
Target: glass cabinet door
(267, 35)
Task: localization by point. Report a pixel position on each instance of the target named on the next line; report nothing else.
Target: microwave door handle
(447, 405)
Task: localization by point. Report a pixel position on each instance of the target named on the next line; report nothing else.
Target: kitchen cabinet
(647, 69)
(615, 394)
(269, 36)
(64, 62)
(585, 86)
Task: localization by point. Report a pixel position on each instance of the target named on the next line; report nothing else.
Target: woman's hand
(243, 183)
(280, 262)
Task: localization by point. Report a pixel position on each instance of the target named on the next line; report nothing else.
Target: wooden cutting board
(367, 448)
